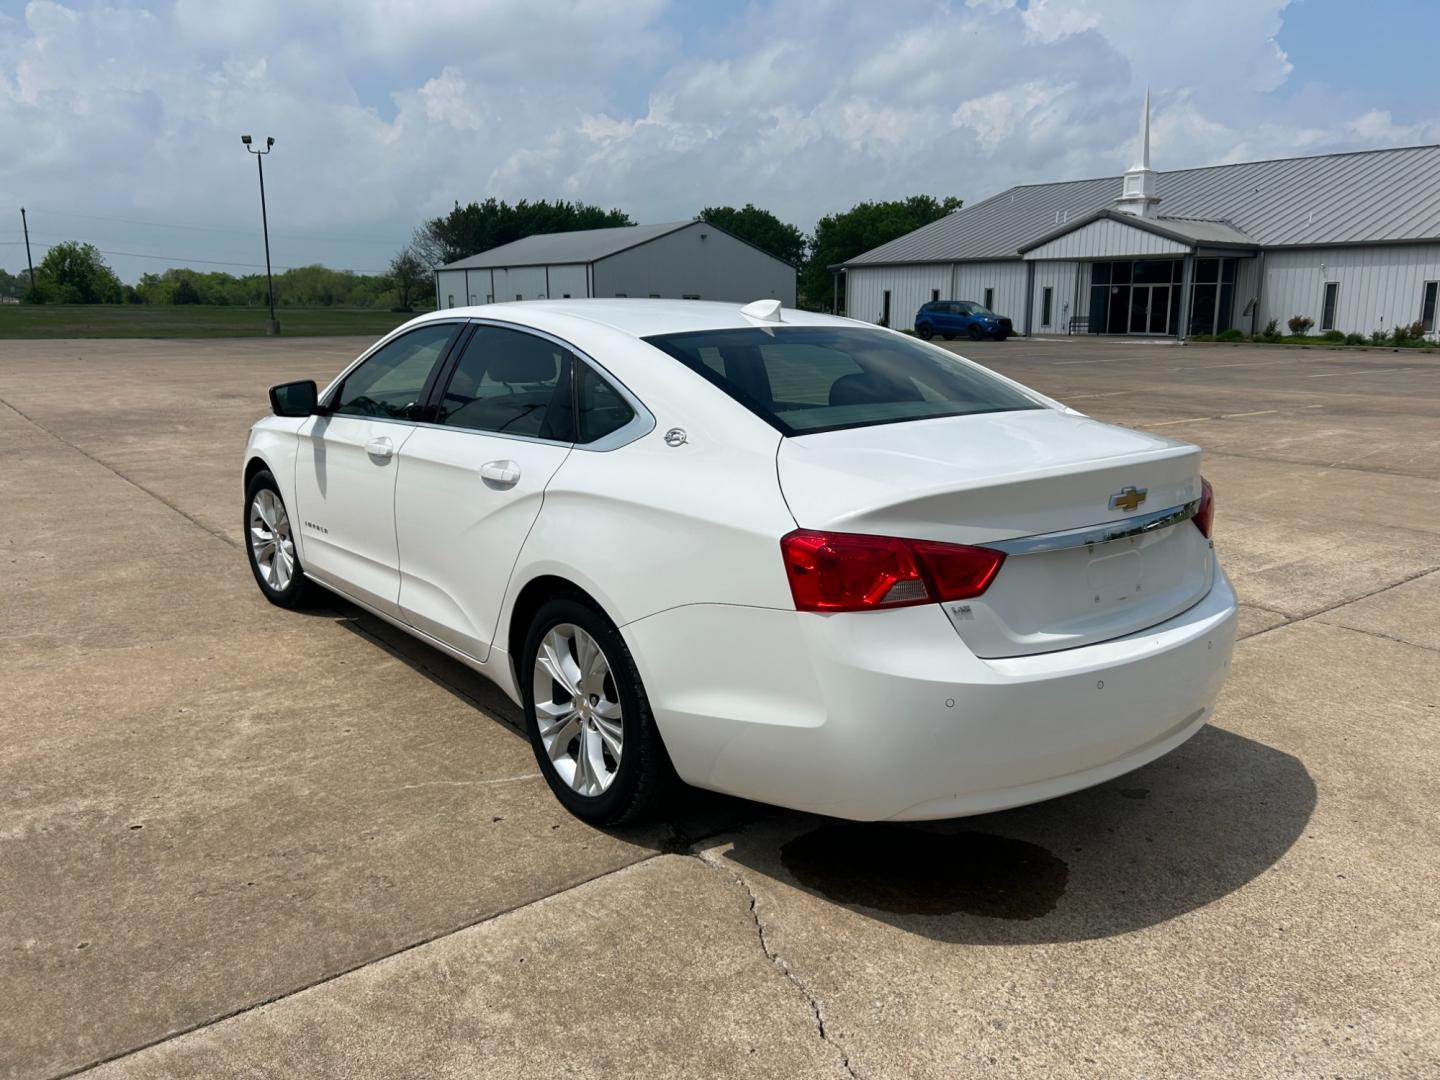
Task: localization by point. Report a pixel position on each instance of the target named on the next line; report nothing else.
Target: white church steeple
(1138, 194)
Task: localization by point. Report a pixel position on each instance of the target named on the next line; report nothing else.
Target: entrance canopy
(1111, 234)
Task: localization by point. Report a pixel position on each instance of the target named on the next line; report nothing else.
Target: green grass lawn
(186, 321)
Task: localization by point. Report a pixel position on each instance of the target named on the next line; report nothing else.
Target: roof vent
(762, 311)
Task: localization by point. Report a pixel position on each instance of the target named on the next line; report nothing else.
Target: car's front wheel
(588, 717)
(270, 543)
(975, 332)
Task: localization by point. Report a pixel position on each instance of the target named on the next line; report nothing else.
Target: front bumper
(887, 715)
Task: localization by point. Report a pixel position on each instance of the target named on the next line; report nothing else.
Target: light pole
(273, 326)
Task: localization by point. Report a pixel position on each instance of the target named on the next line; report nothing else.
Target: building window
(654, 296)
(1427, 306)
(621, 295)
(885, 309)
(1327, 309)
(490, 298)
(519, 297)
(690, 296)
(452, 300)
(1047, 304)
(472, 298)
(990, 299)
(934, 295)
(565, 296)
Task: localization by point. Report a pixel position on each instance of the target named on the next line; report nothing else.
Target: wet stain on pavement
(910, 871)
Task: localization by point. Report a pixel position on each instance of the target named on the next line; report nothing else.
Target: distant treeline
(76, 273)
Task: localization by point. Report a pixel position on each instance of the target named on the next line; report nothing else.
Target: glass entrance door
(1150, 309)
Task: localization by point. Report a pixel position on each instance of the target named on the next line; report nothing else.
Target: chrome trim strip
(1091, 535)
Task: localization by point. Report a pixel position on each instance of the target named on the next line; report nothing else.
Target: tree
(73, 273)
(761, 228)
(185, 292)
(408, 276)
(469, 230)
(12, 285)
(862, 227)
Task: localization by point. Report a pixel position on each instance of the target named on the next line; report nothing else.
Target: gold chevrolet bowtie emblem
(1128, 498)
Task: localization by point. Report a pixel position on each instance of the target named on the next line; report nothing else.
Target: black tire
(295, 592)
(644, 779)
(975, 334)
(925, 330)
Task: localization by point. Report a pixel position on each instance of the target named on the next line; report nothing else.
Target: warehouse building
(1350, 240)
(690, 260)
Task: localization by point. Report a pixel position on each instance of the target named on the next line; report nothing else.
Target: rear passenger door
(471, 480)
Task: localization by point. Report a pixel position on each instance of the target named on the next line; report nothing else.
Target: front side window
(510, 383)
(803, 380)
(391, 381)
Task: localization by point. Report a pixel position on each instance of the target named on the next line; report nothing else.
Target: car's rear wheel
(588, 717)
(270, 543)
(926, 331)
(975, 334)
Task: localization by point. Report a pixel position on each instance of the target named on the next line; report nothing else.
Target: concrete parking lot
(235, 840)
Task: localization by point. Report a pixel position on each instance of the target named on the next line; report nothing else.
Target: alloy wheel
(577, 709)
(270, 540)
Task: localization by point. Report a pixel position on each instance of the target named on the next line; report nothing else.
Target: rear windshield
(805, 379)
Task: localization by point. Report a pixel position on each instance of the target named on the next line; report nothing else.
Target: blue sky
(121, 120)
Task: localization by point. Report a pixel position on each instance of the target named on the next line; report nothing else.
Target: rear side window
(601, 408)
(803, 380)
(391, 381)
(510, 383)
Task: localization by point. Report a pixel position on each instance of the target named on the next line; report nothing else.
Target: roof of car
(636, 317)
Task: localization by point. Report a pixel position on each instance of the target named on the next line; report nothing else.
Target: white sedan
(783, 555)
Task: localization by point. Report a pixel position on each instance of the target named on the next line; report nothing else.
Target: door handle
(504, 473)
(380, 447)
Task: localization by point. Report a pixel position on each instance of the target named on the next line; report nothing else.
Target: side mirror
(294, 398)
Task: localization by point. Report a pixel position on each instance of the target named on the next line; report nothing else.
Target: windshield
(807, 379)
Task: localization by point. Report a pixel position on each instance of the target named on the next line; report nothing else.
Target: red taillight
(854, 572)
(1205, 517)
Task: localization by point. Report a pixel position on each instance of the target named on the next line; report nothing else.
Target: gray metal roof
(555, 249)
(1370, 196)
(1193, 231)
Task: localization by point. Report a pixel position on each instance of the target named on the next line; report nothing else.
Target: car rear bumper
(886, 715)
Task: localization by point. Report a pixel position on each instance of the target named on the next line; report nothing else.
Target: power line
(186, 260)
(211, 228)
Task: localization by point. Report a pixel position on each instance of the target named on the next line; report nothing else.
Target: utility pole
(273, 326)
(25, 228)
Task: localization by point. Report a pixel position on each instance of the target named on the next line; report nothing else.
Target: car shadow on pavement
(1164, 840)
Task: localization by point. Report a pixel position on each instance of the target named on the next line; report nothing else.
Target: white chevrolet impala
(782, 555)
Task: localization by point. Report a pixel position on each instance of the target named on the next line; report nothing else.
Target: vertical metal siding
(680, 263)
(1107, 239)
(1061, 278)
(1380, 285)
(910, 286)
(1006, 278)
(450, 283)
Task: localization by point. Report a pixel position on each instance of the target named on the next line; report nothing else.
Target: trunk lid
(993, 477)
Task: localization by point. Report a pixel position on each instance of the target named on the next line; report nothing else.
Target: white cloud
(385, 111)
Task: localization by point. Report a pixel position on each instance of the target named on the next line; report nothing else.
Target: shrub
(1300, 324)
(1231, 335)
(1377, 337)
(1415, 333)
(1337, 336)
(1355, 339)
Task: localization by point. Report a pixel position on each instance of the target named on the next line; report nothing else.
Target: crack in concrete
(1343, 603)
(817, 1010)
(216, 533)
(1379, 634)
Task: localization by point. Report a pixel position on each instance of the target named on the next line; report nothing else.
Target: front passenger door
(471, 484)
(346, 464)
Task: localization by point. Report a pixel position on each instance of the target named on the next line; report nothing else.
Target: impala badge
(1128, 498)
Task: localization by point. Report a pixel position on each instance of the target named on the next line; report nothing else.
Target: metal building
(1351, 240)
(682, 260)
